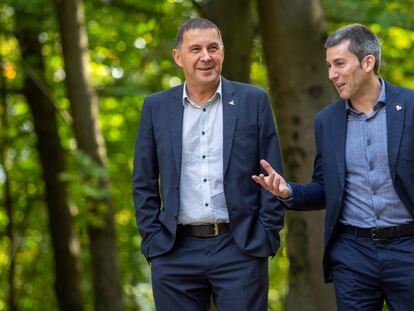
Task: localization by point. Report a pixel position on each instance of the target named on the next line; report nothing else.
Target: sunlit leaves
(86, 188)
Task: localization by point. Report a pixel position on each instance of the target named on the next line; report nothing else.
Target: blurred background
(73, 77)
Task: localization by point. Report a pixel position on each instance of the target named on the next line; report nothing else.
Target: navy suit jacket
(249, 135)
(326, 190)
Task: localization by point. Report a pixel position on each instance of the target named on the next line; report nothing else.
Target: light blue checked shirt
(202, 198)
(370, 200)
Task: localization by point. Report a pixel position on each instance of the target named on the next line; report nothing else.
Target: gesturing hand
(273, 182)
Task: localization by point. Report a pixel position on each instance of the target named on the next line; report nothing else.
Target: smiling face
(347, 73)
(201, 56)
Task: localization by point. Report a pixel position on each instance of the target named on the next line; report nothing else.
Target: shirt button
(369, 142)
(206, 204)
(371, 166)
(203, 156)
(203, 133)
(205, 179)
(204, 109)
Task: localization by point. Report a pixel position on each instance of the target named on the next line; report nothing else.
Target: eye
(194, 49)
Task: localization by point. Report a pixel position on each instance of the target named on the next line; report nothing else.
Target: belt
(204, 231)
(379, 234)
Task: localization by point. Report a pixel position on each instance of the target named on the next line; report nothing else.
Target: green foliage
(278, 277)
(85, 177)
(31, 249)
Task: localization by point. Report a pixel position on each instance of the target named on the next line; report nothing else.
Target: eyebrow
(335, 60)
(199, 45)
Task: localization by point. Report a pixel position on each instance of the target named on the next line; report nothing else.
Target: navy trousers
(197, 268)
(367, 272)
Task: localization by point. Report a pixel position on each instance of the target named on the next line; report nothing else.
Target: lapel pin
(231, 103)
(398, 107)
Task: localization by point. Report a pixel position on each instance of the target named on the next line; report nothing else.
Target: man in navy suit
(363, 176)
(206, 227)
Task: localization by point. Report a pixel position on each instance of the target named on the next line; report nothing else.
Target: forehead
(200, 36)
(339, 51)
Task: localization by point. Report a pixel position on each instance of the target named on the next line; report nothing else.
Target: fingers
(268, 183)
(266, 166)
(264, 181)
(274, 182)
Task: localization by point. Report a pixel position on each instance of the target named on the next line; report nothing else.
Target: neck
(367, 97)
(199, 94)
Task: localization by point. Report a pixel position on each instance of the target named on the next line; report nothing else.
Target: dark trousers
(367, 272)
(196, 268)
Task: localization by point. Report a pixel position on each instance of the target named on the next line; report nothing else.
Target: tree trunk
(235, 20)
(293, 33)
(8, 201)
(84, 107)
(65, 243)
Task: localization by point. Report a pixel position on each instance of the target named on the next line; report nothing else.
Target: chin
(343, 96)
(210, 80)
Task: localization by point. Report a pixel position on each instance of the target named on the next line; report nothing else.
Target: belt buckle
(374, 236)
(215, 229)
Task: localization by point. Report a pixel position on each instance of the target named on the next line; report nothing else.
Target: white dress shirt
(202, 198)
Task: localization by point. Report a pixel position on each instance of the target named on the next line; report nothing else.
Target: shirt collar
(381, 97)
(187, 99)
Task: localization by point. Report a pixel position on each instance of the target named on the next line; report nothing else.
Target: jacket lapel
(395, 111)
(339, 137)
(176, 126)
(230, 108)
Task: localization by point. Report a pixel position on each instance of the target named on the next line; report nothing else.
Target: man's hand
(273, 182)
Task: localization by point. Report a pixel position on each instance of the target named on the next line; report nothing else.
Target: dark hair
(363, 42)
(195, 23)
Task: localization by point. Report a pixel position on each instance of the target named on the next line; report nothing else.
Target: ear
(368, 63)
(176, 56)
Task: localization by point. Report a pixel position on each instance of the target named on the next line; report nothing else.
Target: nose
(205, 55)
(332, 74)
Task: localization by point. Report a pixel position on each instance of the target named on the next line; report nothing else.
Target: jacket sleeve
(311, 196)
(271, 213)
(146, 194)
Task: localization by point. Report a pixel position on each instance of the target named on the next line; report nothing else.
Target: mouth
(206, 68)
(340, 86)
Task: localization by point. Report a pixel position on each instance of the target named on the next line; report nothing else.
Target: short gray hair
(363, 42)
(195, 23)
